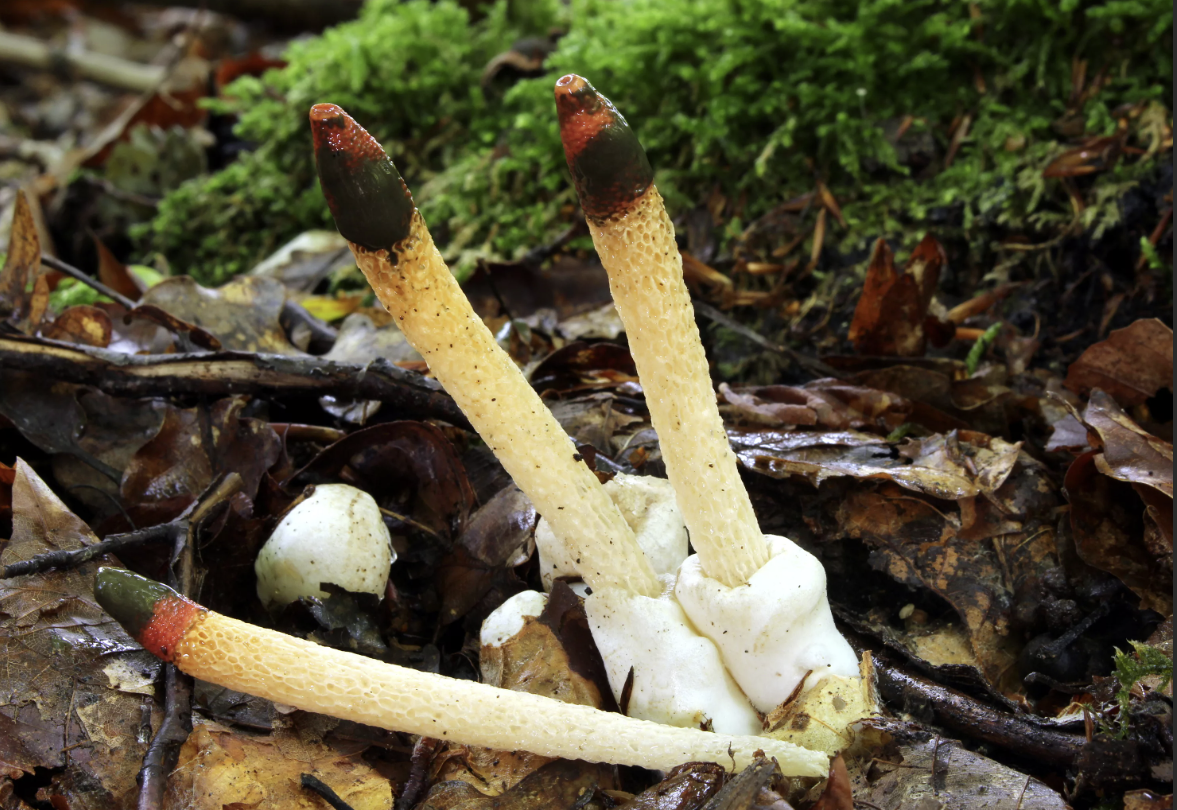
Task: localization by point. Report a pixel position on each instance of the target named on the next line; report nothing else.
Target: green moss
(730, 95)
(1131, 668)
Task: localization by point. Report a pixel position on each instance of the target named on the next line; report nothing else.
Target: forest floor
(983, 465)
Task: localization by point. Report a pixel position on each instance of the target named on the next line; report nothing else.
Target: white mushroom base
(772, 630)
(336, 535)
(679, 678)
(648, 506)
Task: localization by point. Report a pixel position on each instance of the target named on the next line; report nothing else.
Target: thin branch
(73, 558)
(224, 373)
(89, 281)
(324, 791)
(110, 70)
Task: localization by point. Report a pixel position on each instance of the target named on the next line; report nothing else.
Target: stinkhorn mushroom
(763, 606)
(336, 535)
(374, 211)
(302, 674)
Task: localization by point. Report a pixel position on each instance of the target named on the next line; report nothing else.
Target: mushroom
(335, 535)
(639, 626)
(374, 211)
(305, 675)
(761, 600)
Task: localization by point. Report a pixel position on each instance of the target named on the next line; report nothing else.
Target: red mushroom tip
(371, 204)
(608, 164)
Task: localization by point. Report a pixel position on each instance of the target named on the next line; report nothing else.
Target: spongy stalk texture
(415, 285)
(645, 277)
(299, 673)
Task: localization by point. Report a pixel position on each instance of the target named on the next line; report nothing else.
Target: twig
(223, 373)
(164, 750)
(316, 785)
(89, 281)
(422, 755)
(110, 70)
(965, 715)
(811, 363)
(73, 558)
(323, 336)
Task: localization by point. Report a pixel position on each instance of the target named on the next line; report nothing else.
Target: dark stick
(811, 364)
(224, 372)
(971, 718)
(323, 335)
(78, 556)
(419, 760)
(164, 750)
(89, 281)
(316, 785)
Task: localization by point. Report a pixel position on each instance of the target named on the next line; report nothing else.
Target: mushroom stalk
(392, 246)
(635, 240)
(298, 673)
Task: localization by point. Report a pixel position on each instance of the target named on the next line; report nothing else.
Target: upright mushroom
(682, 678)
(374, 211)
(762, 601)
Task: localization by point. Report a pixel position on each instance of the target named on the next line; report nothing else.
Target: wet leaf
(73, 680)
(580, 366)
(927, 771)
(1107, 524)
(889, 318)
(498, 536)
(686, 787)
(408, 467)
(89, 326)
(243, 314)
(219, 768)
(192, 447)
(1132, 364)
(1129, 452)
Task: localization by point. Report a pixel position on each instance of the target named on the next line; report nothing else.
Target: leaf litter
(1003, 523)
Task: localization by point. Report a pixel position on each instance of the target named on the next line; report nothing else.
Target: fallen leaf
(927, 771)
(559, 785)
(114, 274)
(1132, 364)
(22, 266)
(1130, 453)
(89, 326)
(837, 794)
(687, 787)
(243, 314)
(361, 341)
(71, 716)
(193, 446)
(219, 768)
(1106, 521)
(889, 317)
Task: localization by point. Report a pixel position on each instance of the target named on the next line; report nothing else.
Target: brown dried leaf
(73, 680)
(395, 458)
(22, 266)
(1106, 521)
(1132, 364)
(687, 787)
(782, 405)
(927, 771)
(1129, 452)
(219, 768)
(192, 447)
(889, 318)
(243, 314)
(975, 562)
(114, 274)
(89, 326)
(559, 785)
(837, 794)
